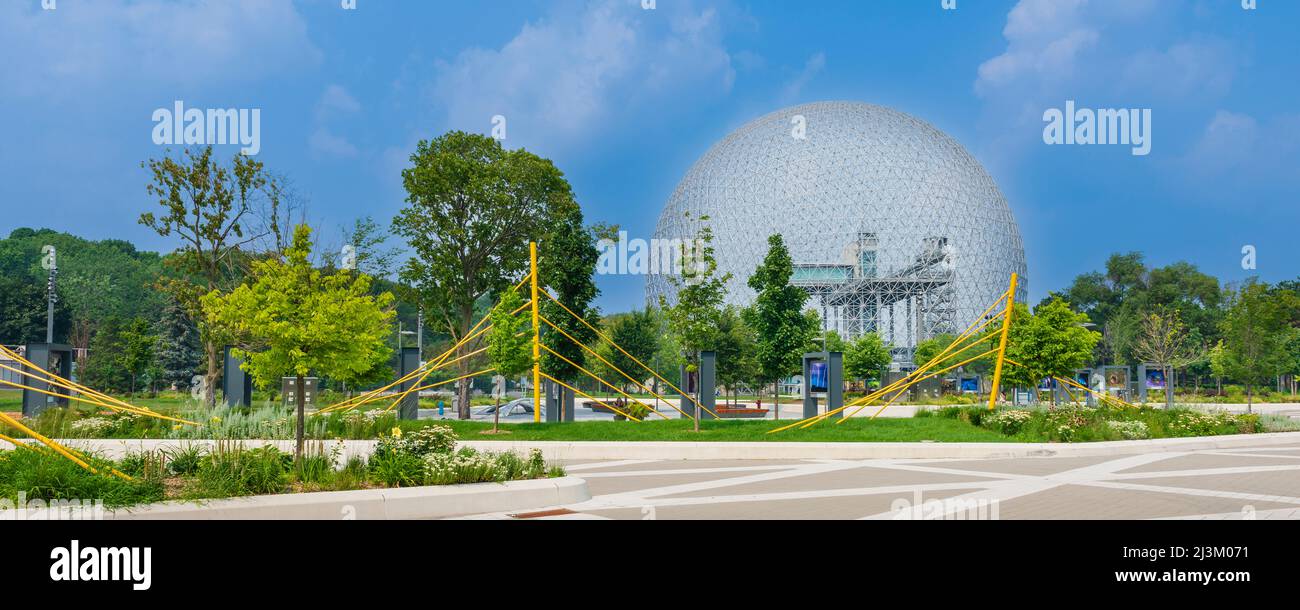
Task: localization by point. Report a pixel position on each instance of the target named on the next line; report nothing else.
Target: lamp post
(419, 333)
(51, 297)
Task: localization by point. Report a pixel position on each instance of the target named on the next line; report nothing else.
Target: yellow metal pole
(1002, 343)
(537, 338)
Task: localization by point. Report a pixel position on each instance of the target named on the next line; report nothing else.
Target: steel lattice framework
(893, 226)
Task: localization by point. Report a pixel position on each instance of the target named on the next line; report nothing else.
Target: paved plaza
(1260, 482)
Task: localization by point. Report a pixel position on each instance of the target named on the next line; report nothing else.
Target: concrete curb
(555, 450)
(373, 504)
(621, 450)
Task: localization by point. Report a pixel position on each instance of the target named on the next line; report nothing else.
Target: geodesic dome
(893, 226)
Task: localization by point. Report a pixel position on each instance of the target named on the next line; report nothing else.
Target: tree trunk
(776, 403)
(654, 385)
(1169, 387)
(697, 407)
(463, 386)
(302, 416)
(1249, 396)
(496, 416)
(210, 392)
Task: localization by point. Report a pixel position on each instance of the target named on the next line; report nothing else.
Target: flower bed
(229, 469)
(1084, 424)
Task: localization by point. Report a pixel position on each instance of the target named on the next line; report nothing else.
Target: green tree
(831, 341)
(213, 210)
(292, 320)
(566, 264)
(509, 343)
(137, 349)
(778, 318)
(366, 249)
(472, 208)
(1052, 342)
(638, 334)
(866, 357)
(1255, 335)
(180, 351)
(101, 368)
(695, 316)
(23, 311)
(737, 350)
(97, 280)
(929, 349)
(1165, 341)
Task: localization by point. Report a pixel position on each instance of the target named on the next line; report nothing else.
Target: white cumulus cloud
(84, 46)
(561, 76)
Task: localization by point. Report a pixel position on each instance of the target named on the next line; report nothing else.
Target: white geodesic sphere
(857, 170)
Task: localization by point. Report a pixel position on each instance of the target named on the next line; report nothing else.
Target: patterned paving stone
(853, 507)
(1284, 483)
(1205, 461)
(841, 479)
(1028, 466)
(1087, 502)
(692, 465)
(1261, 482)
(616, 485)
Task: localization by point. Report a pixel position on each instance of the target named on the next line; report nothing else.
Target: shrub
(90, 427)
(465, 466)
(231, 471)
(425, 441)
(971, 415)
(185, 460)
(1008, 422)
(1130, 430)
(1067, 424)
(39, 475)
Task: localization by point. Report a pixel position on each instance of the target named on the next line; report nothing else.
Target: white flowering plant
(1130, 429)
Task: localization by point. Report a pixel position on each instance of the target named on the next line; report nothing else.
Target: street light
(400, 333)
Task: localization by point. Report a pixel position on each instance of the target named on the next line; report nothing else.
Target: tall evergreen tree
(180, 350)
(777, 316)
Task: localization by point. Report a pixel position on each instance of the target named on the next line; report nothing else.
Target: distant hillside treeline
(97, 281)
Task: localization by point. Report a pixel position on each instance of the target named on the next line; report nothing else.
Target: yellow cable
(611, 365)
(589, 396)
(625, 353)
(593, 376)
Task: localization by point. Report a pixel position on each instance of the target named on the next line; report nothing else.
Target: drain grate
(545, 513)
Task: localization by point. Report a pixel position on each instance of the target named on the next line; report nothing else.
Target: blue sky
(624, 100)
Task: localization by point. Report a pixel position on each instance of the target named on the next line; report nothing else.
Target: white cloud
(323, 143)
(85, 45)
(336, 101)
(1054, 46)
(1239, 146)
(1099, 53)
(811, 69)
(560, 77)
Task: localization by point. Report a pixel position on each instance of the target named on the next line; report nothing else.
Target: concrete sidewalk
(665, 450)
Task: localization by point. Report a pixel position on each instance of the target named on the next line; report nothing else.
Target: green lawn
(11, 400)
(859, 430)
